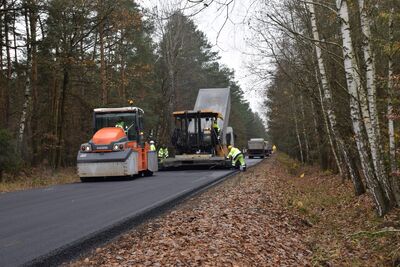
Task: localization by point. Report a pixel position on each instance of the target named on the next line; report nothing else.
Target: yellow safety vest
(163, 153)
(120, 124)
(234, 152)
(215, 126)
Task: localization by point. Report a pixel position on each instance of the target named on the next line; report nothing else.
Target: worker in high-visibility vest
(216, 127)
(152, 146)
(120, 124)
(274, 148)
(237, 157)
(163, 152)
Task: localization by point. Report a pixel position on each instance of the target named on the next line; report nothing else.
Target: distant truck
(256, 148)
(267, 149)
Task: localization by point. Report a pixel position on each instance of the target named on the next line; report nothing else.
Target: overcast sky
(231, 42)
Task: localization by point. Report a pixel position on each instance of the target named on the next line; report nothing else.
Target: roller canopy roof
(257, 139)
(116, 110)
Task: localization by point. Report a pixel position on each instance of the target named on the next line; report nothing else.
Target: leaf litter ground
(267, 216)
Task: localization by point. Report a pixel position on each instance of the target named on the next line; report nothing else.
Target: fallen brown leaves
(276, 214)
(346, 230)
(239, 223)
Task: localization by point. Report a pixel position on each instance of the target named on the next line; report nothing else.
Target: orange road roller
(117, 148)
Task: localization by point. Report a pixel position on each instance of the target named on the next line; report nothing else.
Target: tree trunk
(103, 79)
(7, 40)
(296, 125)
(306, 143)
(317, 134)
(55, 112)
(390, 114)
(1, 42)
(26, 108)
(94, 53)
(4, 99)
(15, 39)
(123, 78)
(172, 98)
(329, 132)
(123, 67)
(33, 120)
(171, 91)
(60, 121)
(353, 83)
(372, 122)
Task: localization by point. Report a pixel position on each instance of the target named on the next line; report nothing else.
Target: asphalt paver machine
(195, 140)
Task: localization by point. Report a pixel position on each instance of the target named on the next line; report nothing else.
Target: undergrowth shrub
(9, 160)
(292, 166)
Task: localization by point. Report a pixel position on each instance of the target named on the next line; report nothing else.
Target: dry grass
(37, 178)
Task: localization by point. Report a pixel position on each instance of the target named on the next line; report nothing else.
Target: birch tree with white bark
(390, 113)
(30, 26)
(372, 123)
(395, 183)
(326, 102)
(358, 113)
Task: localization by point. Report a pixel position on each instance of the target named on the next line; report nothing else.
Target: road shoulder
(240, 222)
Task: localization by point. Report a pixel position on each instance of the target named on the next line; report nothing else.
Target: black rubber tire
(85, 179)
(147, 173)
(250, 157)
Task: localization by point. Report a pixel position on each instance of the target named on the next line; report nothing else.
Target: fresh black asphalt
(37, 223)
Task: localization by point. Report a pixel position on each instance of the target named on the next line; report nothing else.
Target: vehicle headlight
(86, 148)
(118, 147)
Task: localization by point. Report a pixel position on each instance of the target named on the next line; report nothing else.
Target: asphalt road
(37, 222)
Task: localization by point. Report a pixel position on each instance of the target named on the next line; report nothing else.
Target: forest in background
(61, 58)
(333, 96)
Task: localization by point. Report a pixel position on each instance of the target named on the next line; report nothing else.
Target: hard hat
(229, 147)
(152, 142)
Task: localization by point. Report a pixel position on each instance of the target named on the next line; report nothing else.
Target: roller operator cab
(117, 147)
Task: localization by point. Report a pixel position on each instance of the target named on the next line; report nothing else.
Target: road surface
(39, 222)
